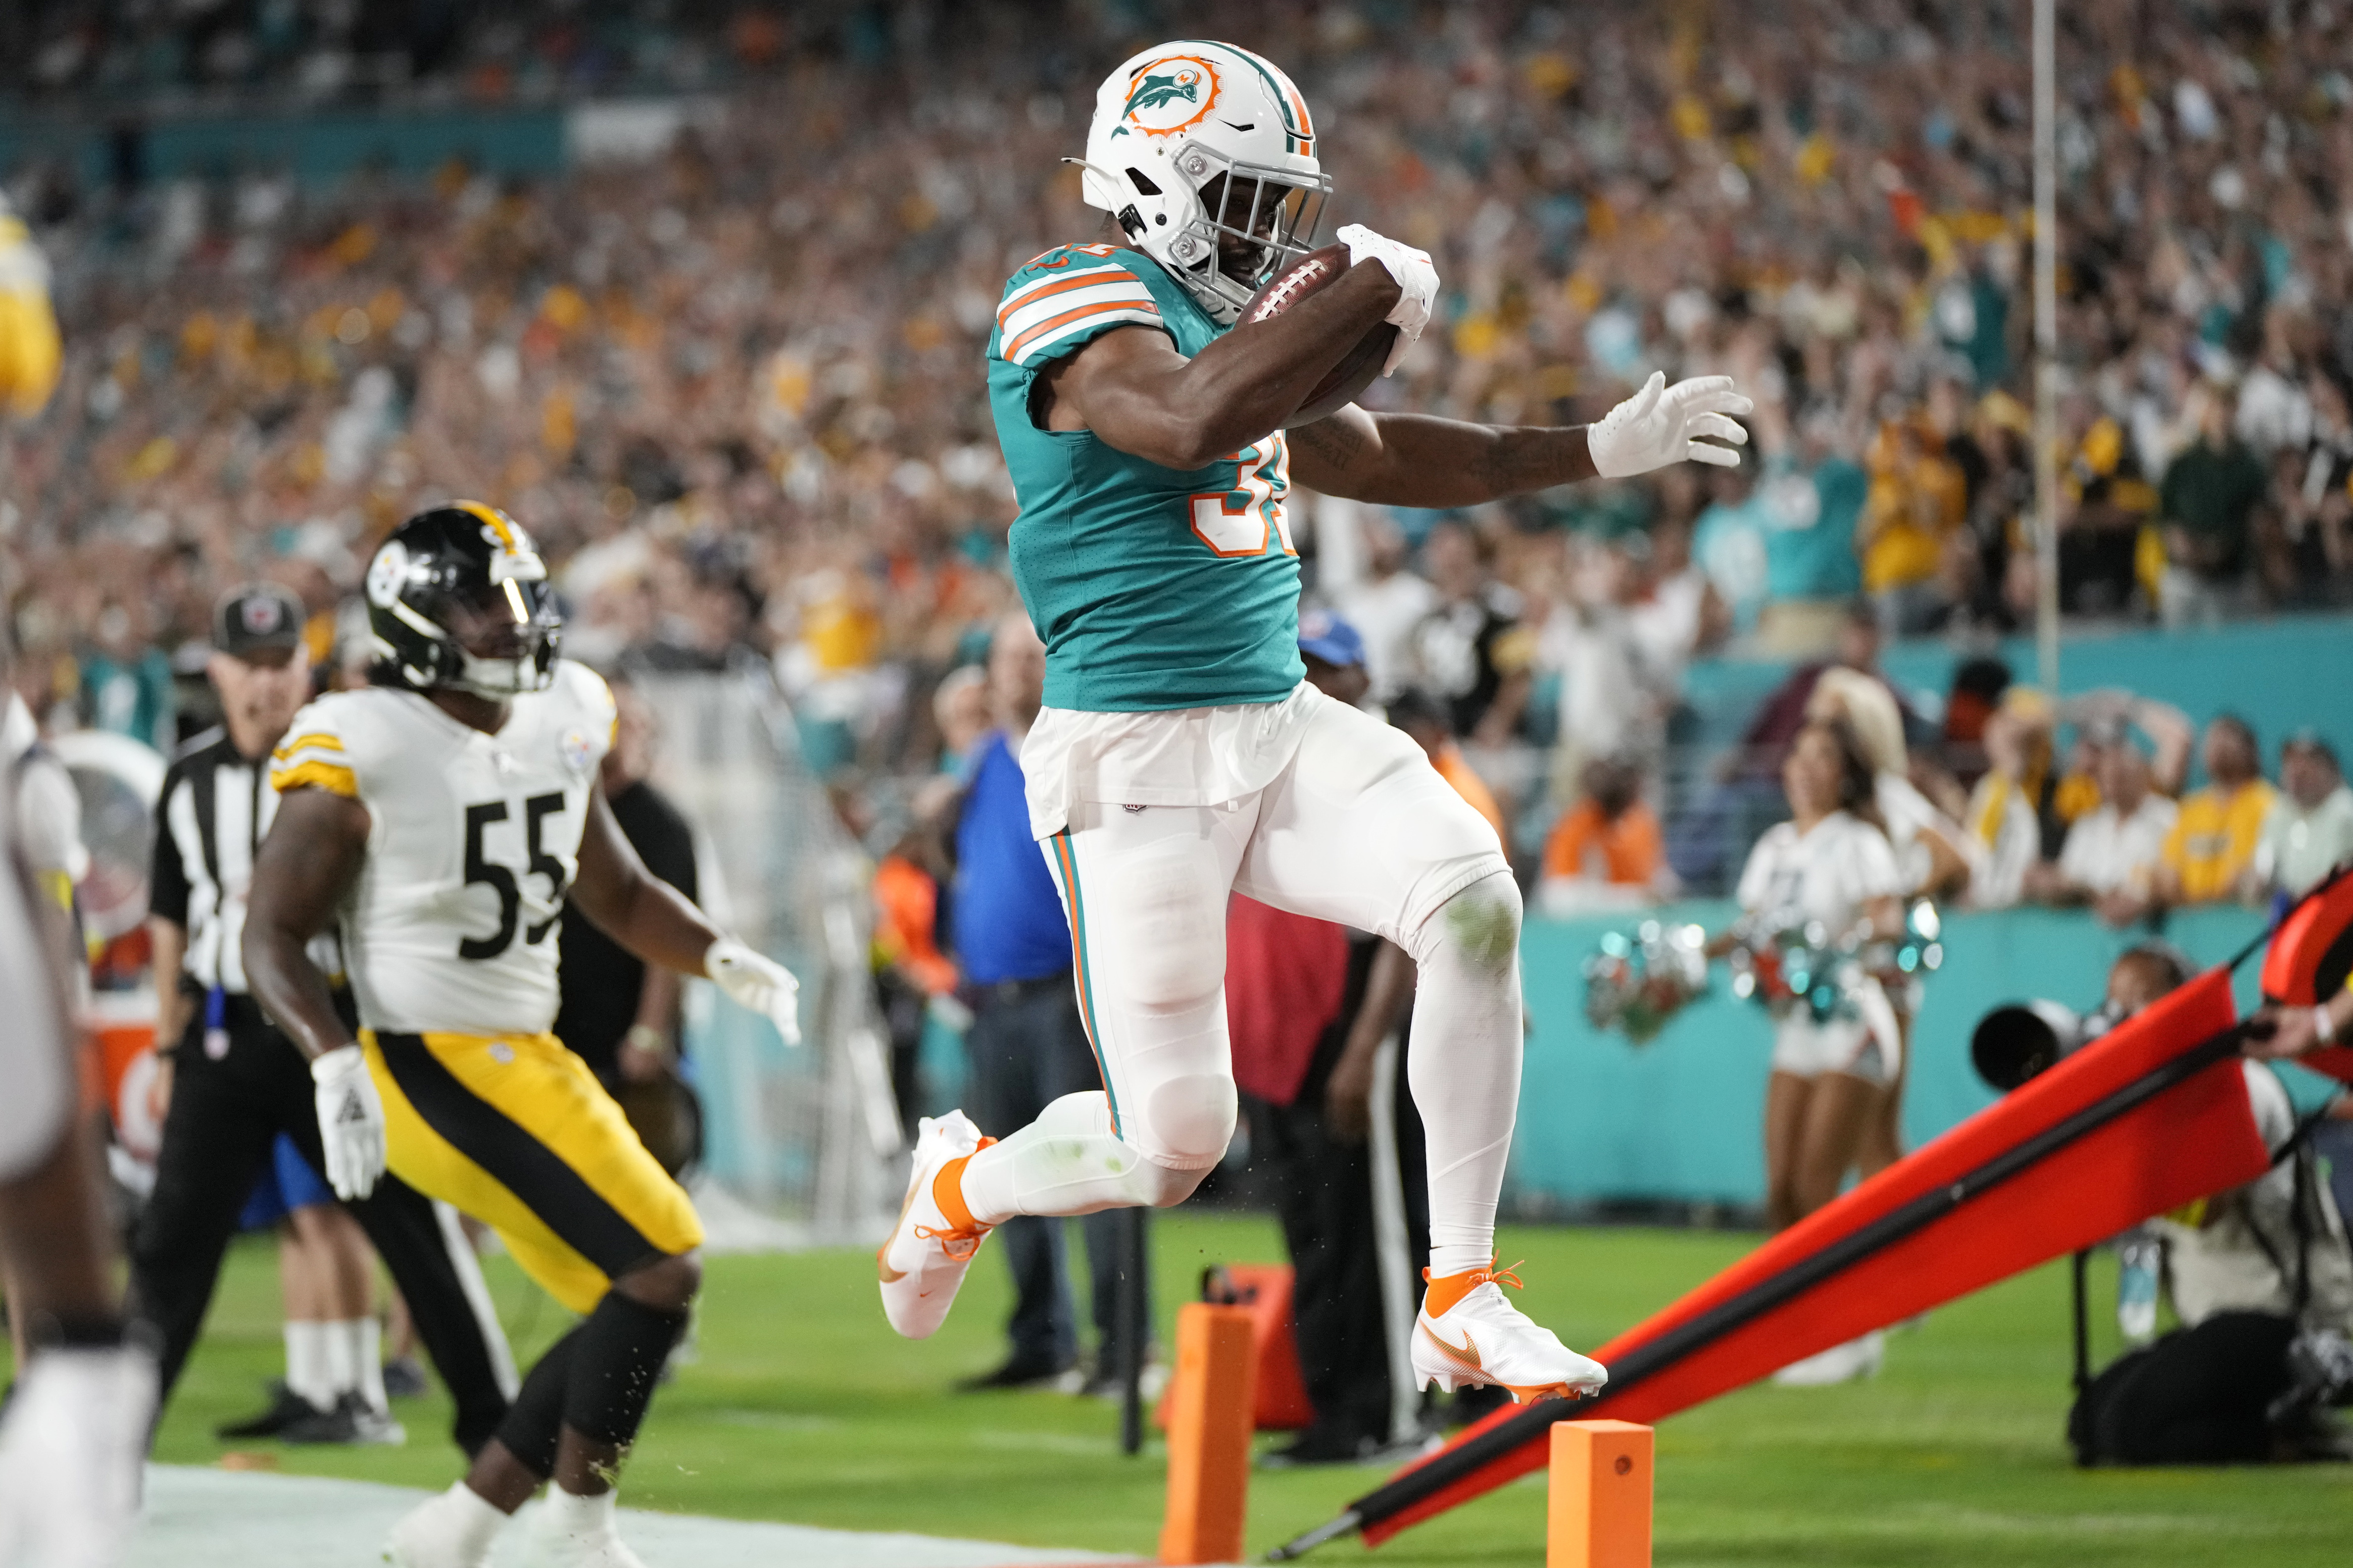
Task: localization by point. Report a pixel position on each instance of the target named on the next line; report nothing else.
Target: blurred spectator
(1606, 852)
(2212, 844)
(960, 710)
(1613, 699)
(1424, 719)
(126, 681)
(1812, 498)
(620, 1016)
(2113, 855)
(2309, 832)
(1385, 605)
(2012, 812)
(1334, 657)
(2105, 505)
(1027, 1043)
(1307, 1004)
(1678, 617)
(1918, 505)
(2208, 509)
(1728, 543)
(1470, 651)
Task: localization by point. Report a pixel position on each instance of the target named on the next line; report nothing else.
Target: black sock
(529, 1431)
(622, 1348)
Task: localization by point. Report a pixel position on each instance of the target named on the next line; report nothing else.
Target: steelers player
(443, 817)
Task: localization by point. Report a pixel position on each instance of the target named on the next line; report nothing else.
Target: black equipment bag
(2197, 1396)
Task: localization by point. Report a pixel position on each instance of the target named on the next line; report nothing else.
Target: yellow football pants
(515, 1130)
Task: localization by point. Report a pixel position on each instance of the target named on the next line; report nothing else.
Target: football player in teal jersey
(1181, 755)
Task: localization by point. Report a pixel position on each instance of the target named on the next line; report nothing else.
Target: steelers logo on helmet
(458, 597)
(1169, 95)
(386, 573)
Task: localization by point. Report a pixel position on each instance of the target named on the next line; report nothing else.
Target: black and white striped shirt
(209, 821)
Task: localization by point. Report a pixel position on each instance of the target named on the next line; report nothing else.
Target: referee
(238, 1083)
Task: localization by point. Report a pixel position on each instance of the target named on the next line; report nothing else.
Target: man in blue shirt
(1028, 1046)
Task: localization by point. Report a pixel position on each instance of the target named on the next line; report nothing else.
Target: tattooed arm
(1413, 459)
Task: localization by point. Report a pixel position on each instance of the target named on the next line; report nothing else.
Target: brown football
(1311, 274)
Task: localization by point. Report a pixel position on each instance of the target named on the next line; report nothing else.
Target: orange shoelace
(963, 1237)
(1452, 1287)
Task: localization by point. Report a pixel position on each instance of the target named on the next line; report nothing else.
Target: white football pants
(1358, 829)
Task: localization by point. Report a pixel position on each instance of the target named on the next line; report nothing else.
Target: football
(1311, 274)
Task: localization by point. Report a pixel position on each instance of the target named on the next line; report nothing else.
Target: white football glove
(758, 983)
(1416, 282)
(70, 1456)
(351, 1122)
(1659, 424)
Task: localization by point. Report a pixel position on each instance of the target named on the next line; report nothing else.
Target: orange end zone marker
(1598, 1510)
(1208, 1434)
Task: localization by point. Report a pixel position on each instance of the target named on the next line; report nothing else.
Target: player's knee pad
(1191, 1120)
(1479, 926)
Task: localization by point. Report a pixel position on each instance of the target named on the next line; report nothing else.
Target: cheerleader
(1829, 873)
(1933, 860)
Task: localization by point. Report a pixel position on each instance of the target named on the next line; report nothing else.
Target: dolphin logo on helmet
(1156, 90)
(1194, 125)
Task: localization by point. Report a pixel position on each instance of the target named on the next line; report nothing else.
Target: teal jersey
(1154, 588)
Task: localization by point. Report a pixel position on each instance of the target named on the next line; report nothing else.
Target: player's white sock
(454, 1527)
(307, 1371)
(1067, 1161)
(341, 1376)
(362, 1342)
(1464, 1064)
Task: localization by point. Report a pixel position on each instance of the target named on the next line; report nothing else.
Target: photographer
(2261, 1280)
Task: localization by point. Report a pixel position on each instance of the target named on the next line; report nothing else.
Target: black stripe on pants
(536, 1175)
(216, 1137)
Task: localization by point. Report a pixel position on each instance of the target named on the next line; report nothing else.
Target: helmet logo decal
(1169, 95)
(386, 573)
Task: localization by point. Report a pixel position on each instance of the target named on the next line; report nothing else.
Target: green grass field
(805, 1407)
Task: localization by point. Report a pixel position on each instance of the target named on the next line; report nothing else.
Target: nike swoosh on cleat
(1466, 1355)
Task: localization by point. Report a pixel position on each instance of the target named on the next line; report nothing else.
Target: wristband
(646, 1037)
(2324, 1024)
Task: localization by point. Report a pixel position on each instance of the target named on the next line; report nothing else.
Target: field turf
(805, 1407)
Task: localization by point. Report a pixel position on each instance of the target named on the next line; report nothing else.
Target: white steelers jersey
(473, 840)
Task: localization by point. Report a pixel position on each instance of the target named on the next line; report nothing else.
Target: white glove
(1416, 282)
(758, 983)
(1658, 424)
(351, 1122)
(70, 1456)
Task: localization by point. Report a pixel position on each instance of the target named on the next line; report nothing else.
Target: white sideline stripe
(1088, 324)
(1110, 292)
(199, 1517)
(1109, 269)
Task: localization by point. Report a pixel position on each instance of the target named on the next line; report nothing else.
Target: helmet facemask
(1247, 222)
(503, 643)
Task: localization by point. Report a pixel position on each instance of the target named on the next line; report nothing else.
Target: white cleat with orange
(1468, 1335)
(925, 1260)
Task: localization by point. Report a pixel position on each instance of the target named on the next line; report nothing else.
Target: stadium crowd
(735, 391)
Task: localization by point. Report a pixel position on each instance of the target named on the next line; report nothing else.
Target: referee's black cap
(257, 617)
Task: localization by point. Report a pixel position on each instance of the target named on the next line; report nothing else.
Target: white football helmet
(1175, 121)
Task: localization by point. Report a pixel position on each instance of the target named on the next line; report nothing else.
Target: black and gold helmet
(458, 597)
